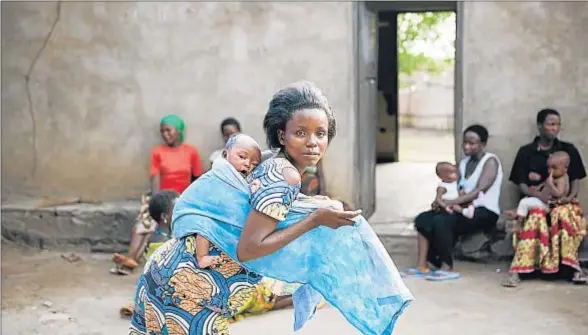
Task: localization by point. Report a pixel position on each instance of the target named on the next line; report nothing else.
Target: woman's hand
(333, 218)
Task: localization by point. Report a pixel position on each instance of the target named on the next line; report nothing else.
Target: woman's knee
(424, 221)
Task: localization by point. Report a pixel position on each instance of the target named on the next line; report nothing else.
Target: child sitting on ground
(243, 153)
(556, 186)
(448, 189)
(152, 227)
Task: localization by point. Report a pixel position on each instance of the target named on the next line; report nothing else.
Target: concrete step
(84, 227)
(106, 228)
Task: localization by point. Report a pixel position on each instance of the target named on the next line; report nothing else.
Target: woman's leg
(424, 226)
(138, 245)
(423, 252)
(444, 238)
(526, 243)
(569, 225)
(443, 242)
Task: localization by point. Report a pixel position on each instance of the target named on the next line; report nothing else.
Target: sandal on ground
(121, 270)
(579, 277)
(415, 273)
(442, 275)
(511, 281)
(126, 311)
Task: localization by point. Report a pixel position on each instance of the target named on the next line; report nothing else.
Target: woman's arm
(155, 171)
(260, 237)
(489, 173)
(574, 189)
(155, 184)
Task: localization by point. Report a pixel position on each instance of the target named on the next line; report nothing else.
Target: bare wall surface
(103, 74)
(518, 58)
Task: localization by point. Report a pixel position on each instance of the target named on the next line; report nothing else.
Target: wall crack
(28, 86)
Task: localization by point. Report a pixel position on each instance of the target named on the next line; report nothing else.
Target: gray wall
(519, 57)
(110, 70)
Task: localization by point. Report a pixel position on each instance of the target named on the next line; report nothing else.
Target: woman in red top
(174, 166)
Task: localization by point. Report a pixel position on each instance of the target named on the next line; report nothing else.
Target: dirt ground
(43, 293)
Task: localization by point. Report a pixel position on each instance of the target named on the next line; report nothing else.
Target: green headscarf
(176, 122)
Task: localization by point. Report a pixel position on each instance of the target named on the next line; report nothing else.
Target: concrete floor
(406, 188)
(82, 298)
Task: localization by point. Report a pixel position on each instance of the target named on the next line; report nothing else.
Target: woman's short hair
(544, 113)
(288, 100)
(230, 121)
(160, 203)
(480, 130)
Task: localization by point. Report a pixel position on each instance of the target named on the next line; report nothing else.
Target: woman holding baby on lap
(466, 202)
(548, 223)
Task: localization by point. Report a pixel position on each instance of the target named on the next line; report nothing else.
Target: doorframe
(406, 6)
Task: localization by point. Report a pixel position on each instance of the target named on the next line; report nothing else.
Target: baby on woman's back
(244, 154)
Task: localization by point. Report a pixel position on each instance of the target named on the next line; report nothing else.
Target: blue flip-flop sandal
(442, 275)
(415, 273)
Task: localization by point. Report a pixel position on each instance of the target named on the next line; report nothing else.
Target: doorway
(415, 114)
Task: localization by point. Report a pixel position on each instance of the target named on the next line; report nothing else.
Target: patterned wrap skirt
(175, 296)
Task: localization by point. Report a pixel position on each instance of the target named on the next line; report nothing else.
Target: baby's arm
(556, 186)
(439, 197)
(202, 247)
(560, 186)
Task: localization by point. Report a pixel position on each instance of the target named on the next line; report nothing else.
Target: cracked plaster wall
(107, 72)
(519, 57)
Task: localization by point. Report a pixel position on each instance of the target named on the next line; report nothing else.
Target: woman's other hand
(533, 176)
(333, 218)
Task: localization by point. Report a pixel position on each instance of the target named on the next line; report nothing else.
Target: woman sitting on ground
(479, 171)
(563, 225)
(174, 166)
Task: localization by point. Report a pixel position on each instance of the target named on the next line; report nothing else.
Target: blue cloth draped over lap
(349, 266)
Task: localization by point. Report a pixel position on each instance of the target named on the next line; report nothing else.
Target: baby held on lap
(448, 190)
(555, 187)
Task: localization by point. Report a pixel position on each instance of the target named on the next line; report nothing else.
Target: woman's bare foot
(513, 280)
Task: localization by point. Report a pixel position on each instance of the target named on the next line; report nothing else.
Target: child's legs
(138, 244)
(527, 204)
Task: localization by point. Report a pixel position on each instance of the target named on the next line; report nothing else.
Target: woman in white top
(479, 171)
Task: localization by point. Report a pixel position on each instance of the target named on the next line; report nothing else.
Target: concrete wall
(109, 71)
(519, 57)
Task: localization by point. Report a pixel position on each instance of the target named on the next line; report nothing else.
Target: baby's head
(243, 153)
(161, 206)
(447, 172)
(558, 163)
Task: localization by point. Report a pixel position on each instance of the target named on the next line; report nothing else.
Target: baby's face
(244, 157)
(449, 177)
(559, 167)
(448, 174)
